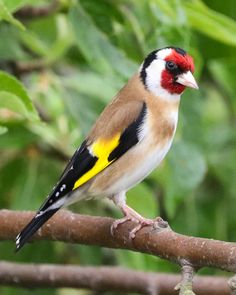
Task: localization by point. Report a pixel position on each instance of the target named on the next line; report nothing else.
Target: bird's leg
(132, 215)
(129, 215)
(120, 201)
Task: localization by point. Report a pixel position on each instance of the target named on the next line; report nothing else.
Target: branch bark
(163, 242)
(103, 279)
(186, 284)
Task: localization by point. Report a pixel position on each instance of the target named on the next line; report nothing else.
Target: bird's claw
(118, 222)
(142, 222)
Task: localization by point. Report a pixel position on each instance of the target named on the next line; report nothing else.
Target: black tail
(32, 227)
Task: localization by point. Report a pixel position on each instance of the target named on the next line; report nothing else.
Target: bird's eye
(171, 66)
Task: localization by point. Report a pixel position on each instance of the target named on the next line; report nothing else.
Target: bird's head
(167, 72)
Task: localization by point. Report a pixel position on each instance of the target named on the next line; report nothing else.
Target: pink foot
(131, 215)
(119, 222)
(142, 223)
(146, 222)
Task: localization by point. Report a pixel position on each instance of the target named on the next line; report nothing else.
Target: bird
(128, 141)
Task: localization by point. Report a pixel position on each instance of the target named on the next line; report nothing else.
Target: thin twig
(185, 287)
(29, 12)
(21, 68)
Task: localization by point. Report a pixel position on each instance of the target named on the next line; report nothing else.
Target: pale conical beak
(187, 79)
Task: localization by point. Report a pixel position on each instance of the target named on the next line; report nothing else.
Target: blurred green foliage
(86, 50)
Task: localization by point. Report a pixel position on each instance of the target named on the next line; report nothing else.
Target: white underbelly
(147, 161)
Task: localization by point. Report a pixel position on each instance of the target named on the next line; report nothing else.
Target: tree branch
(21, 68)
(163, 242)
(29, 12)
(102, 279)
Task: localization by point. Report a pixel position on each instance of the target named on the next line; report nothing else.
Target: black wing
(81, 162)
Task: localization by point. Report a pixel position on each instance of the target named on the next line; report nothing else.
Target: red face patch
(184, 63)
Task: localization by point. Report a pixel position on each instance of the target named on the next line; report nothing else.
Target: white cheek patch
(154, 72)
(153, 80)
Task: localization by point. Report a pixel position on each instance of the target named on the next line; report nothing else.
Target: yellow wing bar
(101, 149)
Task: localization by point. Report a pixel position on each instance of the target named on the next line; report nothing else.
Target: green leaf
(34, 43)
(17, 137)
(3, 130)
(182, 173)
(6, 15)
(100, 53)
(49, 38)
(13, 5)
(82, 82)
(223, 71)
(11, 48)
(133, 259)
(13, 96)
(187, 165)
(63, 41)
(12, 102)
(210, 22)
(141, 198)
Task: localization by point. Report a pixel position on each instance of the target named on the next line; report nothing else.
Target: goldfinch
(129, 139)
